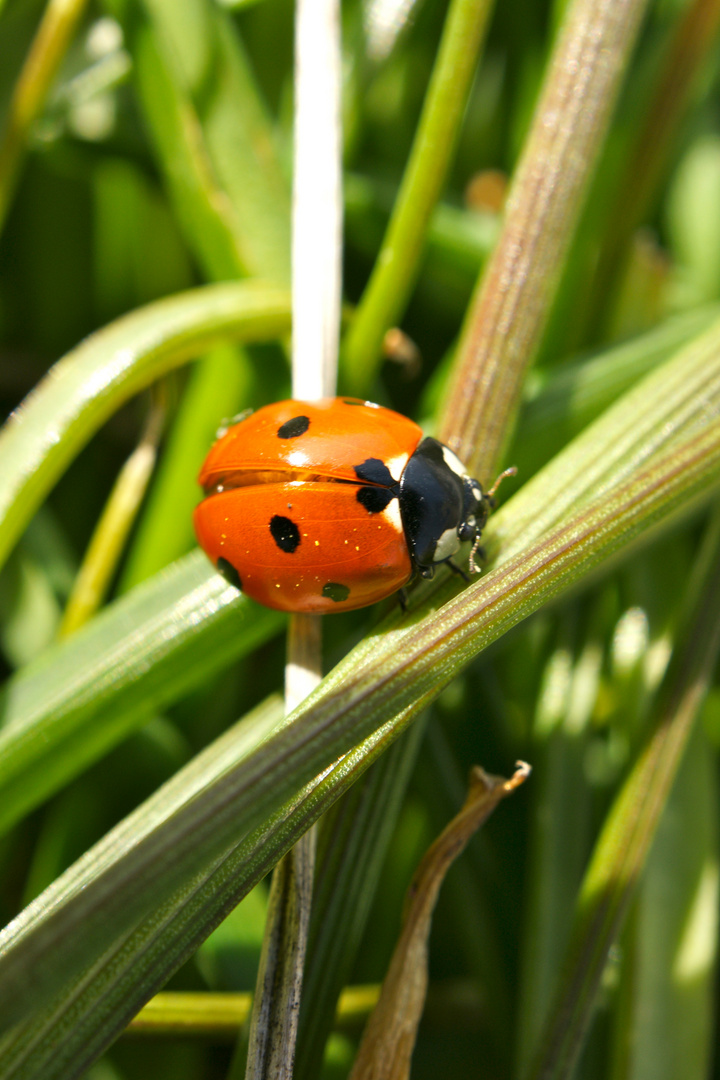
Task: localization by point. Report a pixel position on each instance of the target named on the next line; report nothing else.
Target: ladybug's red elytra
(332, 505)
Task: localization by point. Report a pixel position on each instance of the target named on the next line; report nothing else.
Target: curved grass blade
(53, 424)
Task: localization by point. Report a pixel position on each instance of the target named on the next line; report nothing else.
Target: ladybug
(334, 504)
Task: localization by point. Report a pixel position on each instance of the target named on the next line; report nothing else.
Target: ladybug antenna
(512, 471)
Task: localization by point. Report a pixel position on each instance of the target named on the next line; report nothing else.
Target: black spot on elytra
(292, 428)
(374, 499)
(374, 471)
(229, 572)
(332, 590)
(285, 533)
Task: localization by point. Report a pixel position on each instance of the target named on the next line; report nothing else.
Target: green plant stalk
(693, 42)
(397, 264)
(569, 399)
(316, 304)
(628, 832)
(221, 1015)
(664, 1015)
(330, 722)
(84, 388)
(88, 693)
(217, 389)
(352, 845)
(61, 1042)
(108, 539)
(545, 200)
(57, 725)
(57, 26)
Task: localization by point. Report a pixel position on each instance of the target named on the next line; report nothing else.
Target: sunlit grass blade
(54, 34)
(105, 548)
(397, 263)
(562, 811)
(665, 1013)
(351, 848)
(217, 150)
(630, 431)
(565, 401)
(90, 383)
(627, 835)
(543, 206)
(358, 698)
(58, 1041)
(84, 695)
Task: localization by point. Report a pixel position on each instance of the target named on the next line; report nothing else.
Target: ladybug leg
(478, 551)
(402, 600)
(457, 570)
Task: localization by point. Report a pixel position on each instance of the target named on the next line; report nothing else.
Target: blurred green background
(161, 161)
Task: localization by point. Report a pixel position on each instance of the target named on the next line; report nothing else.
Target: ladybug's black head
(441, 506)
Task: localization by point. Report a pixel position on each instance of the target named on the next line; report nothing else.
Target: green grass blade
(361, 695)
(54, 34)
(84, 695)
(91, 382)
(61, 1041)
(396, 267)
(628, 832)
(665, 1013)
(214, 141)
(352, 845)
(544, 203)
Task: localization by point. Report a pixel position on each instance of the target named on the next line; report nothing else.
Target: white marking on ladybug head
(391, 513)
(447, 545)
(453, 462)
(397, 464)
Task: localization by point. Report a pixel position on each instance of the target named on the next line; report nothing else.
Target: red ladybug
(332, 505)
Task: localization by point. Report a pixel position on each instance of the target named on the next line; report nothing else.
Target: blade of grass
(578, 472)
(567, 400)
(558, 846)
(118, 517)
(64, 1039)
(664, 1021)
(54, 34)
(355, 701)
(217, 388)
(550, 183)
(629, 829)
(92, 381)
(84, 695)
(316, 296)
(215, 146)
(691, 44)
(50, 713)
(397, 264)
(353, 842)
